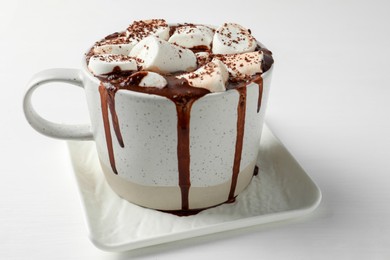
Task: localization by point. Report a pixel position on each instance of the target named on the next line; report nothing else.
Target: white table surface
(329, 105)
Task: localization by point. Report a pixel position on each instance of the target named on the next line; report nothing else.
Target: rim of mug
(215, 94)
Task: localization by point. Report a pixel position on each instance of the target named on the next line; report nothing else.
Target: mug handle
(48, 128)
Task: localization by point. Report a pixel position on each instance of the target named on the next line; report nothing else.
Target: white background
(329, 104)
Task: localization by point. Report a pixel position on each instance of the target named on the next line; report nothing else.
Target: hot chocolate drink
(176, 111)
(183, 63)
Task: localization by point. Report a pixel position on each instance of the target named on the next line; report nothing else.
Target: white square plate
(281, 190)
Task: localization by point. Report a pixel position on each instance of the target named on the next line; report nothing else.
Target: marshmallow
(152, 79)
(154, 54)
(106, 63)
(118, 45)
(202, 58)
(243, 65)
(139, 30)
(190, 36)
(232, 38)
(212, 76)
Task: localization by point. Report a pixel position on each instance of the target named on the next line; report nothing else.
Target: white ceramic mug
(146, 169)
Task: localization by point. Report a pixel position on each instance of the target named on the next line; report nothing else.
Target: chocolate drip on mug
(259, 81)
(106, 99)
(241, 109)
(183, 149)
(183, 102)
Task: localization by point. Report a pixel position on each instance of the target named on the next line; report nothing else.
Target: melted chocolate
(268, 60)
(259, 82)
(105, 98)
(256, 171)
(183, 148)
(241, 109)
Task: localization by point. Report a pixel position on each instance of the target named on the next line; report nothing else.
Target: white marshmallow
(202, 58)
(232, 38)
(106, 63)
(122, 49)
(117, 45)
(154, 54)
(139, 30)
(243, 65)
(212, 76)
(202, 55)
(190, 36)
(153, 80)
(134, 33)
